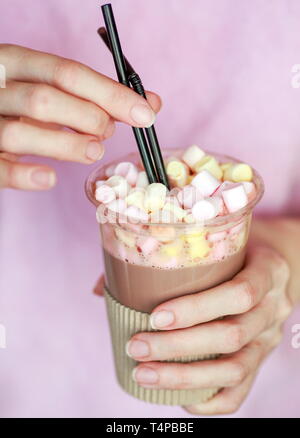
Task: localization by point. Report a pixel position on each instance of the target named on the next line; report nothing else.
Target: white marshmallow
(105, 194)
(188, 196)
(204, 209)
(205, 183)
(235, 198)
(136, 214)
(219, 204)
(119, 184)
(193, 155)
(142, 180)
(155, 197)
(225, 185)
(249, 187)
(177, 173)
(128, 170)
(163, 217)
(117, 206)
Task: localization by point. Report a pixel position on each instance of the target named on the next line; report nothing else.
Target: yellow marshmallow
(155, 197)
(163, 234)
(125, 237)
(193, 237)
(177, 173)
(209, 163)
(136, 198)
(198, 249)
(176, 211)
(239, 172)
(172, 249)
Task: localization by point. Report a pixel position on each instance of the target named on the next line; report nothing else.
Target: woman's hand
(45, 93)
(254, 306)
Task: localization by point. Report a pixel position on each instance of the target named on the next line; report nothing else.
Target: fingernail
(94, 151)
(144, 375)
(161, 319)
(110, 129)
(142, 115)
(43, 178)
(137, 349)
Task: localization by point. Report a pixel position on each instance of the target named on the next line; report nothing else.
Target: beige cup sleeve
(125, 322)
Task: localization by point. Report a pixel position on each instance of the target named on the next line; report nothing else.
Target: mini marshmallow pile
(201, 189)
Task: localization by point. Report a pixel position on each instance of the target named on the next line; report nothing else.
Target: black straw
(116, 50)
(137, 85)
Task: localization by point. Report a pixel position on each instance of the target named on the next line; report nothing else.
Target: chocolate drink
(144, 287)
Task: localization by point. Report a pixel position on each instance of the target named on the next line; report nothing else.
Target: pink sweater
(223, 69)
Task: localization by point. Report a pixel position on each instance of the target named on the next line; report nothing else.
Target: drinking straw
(118, 57)
(137, 85)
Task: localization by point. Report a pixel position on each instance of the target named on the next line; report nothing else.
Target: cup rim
(217, 221)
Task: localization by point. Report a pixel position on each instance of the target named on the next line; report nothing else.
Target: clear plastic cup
(149, 263)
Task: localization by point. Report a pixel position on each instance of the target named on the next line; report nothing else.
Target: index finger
(233, 297)
(75, 78)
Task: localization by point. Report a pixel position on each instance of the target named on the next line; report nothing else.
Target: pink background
(223, 69)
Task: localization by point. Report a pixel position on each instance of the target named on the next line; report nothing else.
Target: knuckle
(9, 134)
(246, 294)
(38, 98)
(99, 120)
(234, 337)
(237, 372)
(282, 267)
(66, 73)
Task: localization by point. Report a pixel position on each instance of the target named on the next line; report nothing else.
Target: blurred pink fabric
(223, 69)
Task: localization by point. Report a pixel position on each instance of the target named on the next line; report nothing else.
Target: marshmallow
(172, 200)
(217, 236)
(225, 185)
(193, 155)
(189, 219)
(188, 196)
(239, 172)
(163, 216)
(136, 198)
(172, 249)
(204, 210)
(128, 170)
(100, 183)
(163, 234)
(155, 197)
(198, 246)
(209, 163)
(225, 166)
(177, 173)
(147, 245)
(125, 237)
(235, 198)
(136, 214)
(249, 189)
(117, 206)
(109, 171)
(220, 250)
(142, 180)
(218, 204)
(237, 228)
(119, 184)
(105, 194)
(176, 211)
(205, 183)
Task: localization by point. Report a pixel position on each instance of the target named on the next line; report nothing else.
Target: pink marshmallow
(205, 183)
(110, 170)
(128, 170)
(204, 209)
(105, 194)
(188, 196)
(225, 185)
(220, 250)
(147, 245)
(219, 205)
(136, 214)
(216, 237)
(100, 183)
(249, 189)
(237, 228)
(235, 198)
